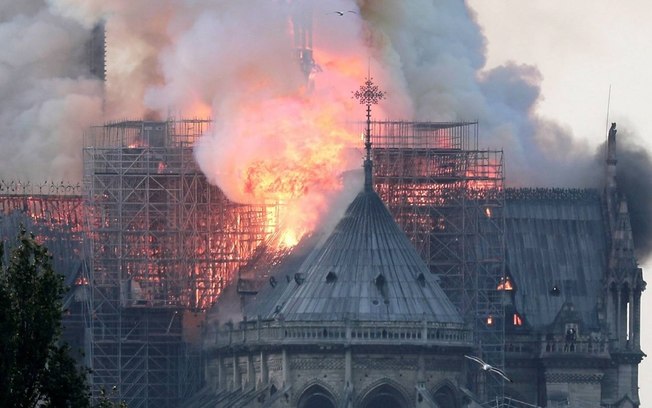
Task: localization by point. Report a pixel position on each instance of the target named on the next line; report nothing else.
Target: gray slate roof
(367, 270)
(555, 238)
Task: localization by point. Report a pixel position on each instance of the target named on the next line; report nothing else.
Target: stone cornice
(627, 357)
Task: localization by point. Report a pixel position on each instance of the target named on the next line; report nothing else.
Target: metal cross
(368, 94)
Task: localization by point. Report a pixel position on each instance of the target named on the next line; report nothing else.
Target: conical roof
(367, 270)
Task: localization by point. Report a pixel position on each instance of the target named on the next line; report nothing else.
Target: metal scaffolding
(448, 196)
(54, 213)
(164, 244)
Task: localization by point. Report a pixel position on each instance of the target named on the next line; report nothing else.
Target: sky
(594, 57)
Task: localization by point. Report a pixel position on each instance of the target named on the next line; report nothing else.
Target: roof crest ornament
(368, 94)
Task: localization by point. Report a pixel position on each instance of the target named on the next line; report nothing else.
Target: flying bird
(341, 13)
(489, 368)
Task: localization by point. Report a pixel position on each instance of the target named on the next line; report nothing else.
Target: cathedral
(357, 319)
(439, 286)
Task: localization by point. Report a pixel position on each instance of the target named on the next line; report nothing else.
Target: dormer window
(505, 284)
(517, 320)
(381, 284)
(331, 277)
(380, 281)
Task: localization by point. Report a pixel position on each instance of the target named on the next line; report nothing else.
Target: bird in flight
(489, 368)
(341, 13)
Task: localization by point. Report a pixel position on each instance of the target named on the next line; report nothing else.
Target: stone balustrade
(591, 347)
(343, 333)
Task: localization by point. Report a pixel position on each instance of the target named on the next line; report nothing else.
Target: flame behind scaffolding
(161, 233)
(164, 241)
(54, 213)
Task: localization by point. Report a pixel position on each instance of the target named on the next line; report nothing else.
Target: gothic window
(445, 397)
(384, 396)
(316, 397)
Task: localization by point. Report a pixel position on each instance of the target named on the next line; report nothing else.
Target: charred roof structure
(542, 283)
(54, 213)
(566, 284)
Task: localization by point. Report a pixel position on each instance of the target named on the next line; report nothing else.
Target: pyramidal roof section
(367, 270)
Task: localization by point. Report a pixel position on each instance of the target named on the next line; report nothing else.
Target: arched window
(316, 397)
(384, 396)
(445, 397)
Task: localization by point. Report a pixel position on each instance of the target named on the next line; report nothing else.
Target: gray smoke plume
(634, 178)
(441, 50)
(204, 58)
(429, 55)
(47, 97)
(442, 54)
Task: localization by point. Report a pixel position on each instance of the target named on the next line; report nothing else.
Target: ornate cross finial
(368, 94)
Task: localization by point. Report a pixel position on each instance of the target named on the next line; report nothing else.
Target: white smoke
(47, 98)
(180, 58)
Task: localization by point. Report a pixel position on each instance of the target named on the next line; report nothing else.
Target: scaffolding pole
(448, 196)
(164, 243)
(54, 213)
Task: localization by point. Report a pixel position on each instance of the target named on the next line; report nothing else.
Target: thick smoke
(137, 34)
(634, 178)
(234, 61)
(441, 54)
(196, 59)
(47, 98)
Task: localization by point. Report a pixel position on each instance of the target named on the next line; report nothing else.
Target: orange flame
(293, 154)
(283, 139)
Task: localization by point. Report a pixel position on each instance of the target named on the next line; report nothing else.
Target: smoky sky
(634, 178)
(429, 55)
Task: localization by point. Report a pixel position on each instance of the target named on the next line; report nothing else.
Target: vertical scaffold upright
(54, 213)
(448, 196)
(164, 244)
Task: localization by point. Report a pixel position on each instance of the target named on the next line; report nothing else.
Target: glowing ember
(505, 284)
(288, 239)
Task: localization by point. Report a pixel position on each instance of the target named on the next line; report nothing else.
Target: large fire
(290, 150)
(284, 135)
(299, 154)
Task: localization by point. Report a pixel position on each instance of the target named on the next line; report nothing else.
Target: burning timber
(150, 246)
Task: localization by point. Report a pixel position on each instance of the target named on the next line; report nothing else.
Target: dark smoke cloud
(634, 178)
(634, 182)
(440, 51)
